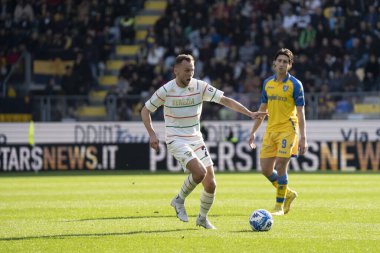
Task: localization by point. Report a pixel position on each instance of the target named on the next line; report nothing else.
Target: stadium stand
(116, 52)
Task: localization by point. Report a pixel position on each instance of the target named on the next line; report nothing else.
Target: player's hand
(259, 115)
(154, 142)
(303, 146)
(251, 141)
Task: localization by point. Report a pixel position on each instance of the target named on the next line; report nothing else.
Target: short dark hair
(183, 57)
(286, 52)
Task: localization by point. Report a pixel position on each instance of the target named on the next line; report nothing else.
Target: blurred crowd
(84, 31)
(233, 41)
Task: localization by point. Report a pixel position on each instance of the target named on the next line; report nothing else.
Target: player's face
(282, 64)
(184, 72)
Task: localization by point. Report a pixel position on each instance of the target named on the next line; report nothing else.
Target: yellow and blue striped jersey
(282, 97)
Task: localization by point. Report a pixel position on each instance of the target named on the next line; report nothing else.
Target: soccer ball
(261, 220)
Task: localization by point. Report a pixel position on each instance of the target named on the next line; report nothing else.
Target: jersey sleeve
(298, 94)
(210, 93)
(264, 95)
(157, 99)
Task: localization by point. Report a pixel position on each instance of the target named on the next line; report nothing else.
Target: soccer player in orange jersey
(285, 137)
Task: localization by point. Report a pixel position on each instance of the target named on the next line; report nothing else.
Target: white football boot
(179, 208)
(204, 222)
(278, 210)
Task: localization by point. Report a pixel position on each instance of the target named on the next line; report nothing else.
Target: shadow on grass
(92, 235)
(245, 231)
(122, 218)
(132, 218)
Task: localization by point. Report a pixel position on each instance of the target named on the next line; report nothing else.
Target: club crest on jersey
(191, 89)
(188, 153)
(285, 88)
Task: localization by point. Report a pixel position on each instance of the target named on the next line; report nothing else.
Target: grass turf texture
(120, 212)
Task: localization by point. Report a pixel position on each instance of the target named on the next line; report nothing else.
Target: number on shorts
(205, 150)
(283, 143)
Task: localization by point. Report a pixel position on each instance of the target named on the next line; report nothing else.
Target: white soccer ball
(261, 220)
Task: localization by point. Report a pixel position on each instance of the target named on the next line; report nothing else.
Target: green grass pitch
(130, 212)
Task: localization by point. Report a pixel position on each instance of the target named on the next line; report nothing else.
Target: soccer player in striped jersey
(283, 98)
(182, 99)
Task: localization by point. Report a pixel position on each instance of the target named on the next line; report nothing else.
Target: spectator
(127, 29)
(247, 52)
(68, 84)
(82, 74)
(49, 88)
(326, 35)
(289, 20)
(371, 74)
(23, 11)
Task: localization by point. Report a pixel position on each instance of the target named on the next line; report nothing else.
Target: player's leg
(282, 187)
(188, 159)
(268, 153)
(284, 143)
(268, 159)
(209, 184)
(197, 173)
(207, 199)
(267, 169)
(291, 195)
(267, 165)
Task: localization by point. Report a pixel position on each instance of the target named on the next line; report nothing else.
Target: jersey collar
(284, 80)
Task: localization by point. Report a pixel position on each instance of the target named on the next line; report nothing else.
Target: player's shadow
(244, 231)
(131, 217)
(249, 231)
(64, 236)
(121, 218)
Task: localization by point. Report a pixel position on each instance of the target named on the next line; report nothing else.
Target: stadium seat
(367, 108)
(109, 80)
(98, 96)
(50, 67)
(127, 50)
(155, 5)
(115, 64)
(92, 111)
(141, 35)
(145, 20)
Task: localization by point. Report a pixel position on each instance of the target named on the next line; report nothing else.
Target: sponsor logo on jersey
(279, 98)
(183, 101)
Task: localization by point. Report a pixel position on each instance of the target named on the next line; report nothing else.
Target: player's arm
(256, 125)
(238, 107)
(147, 120)
(302, 125)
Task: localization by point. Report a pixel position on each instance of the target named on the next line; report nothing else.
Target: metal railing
(23, 64)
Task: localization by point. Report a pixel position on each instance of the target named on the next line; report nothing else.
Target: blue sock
(273, 177)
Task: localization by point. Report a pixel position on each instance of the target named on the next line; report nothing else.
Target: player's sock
(281, 189)
(187, 187)
(273, 178)
(206, 202)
